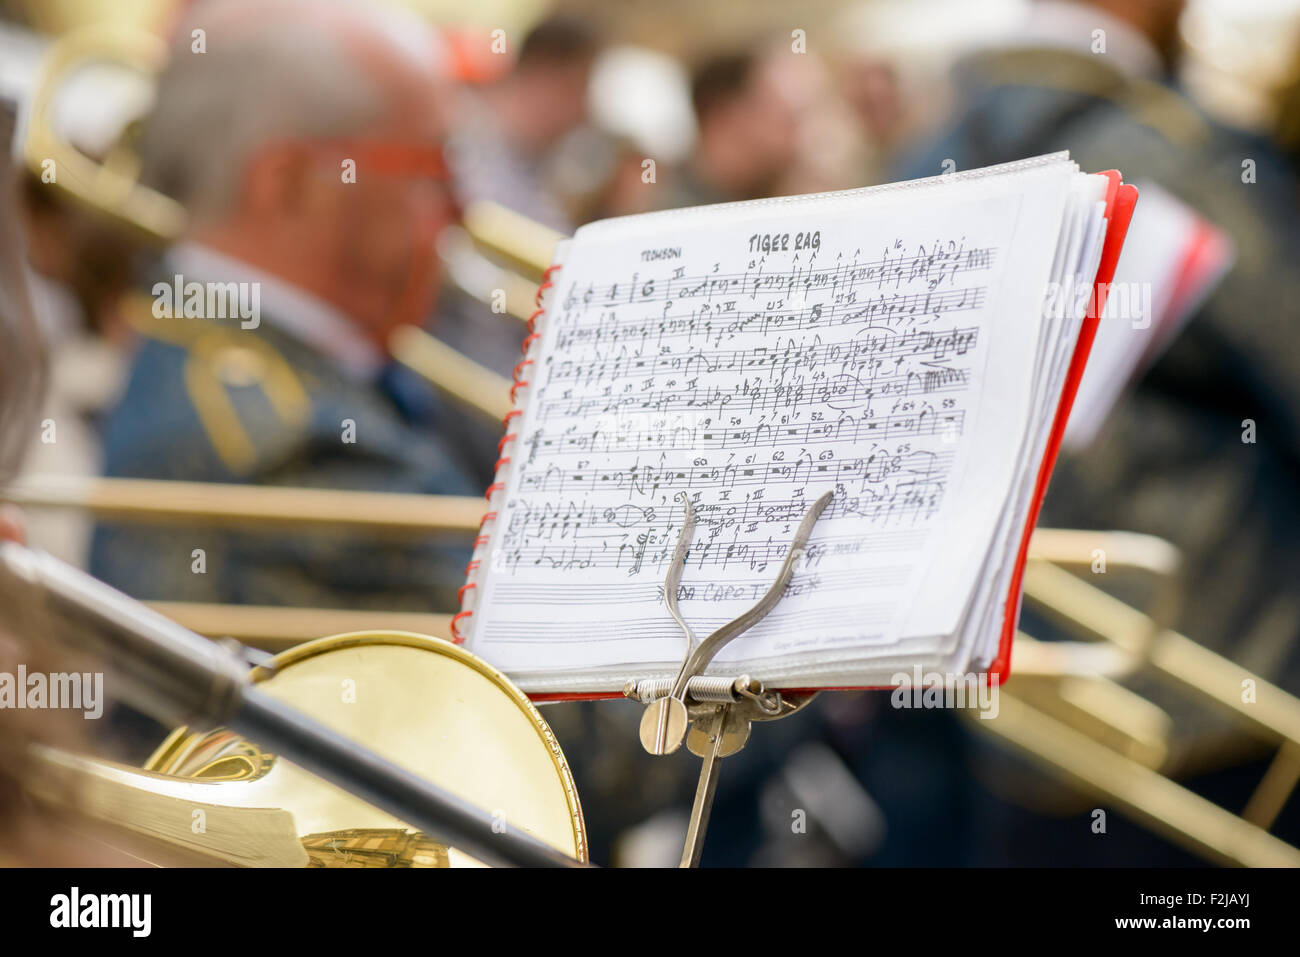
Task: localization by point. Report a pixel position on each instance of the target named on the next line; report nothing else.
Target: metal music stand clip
(720, 710)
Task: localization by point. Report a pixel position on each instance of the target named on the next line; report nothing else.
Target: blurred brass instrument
(1065, 708)
(1079, 724)
(427, 705)
(374, 749)
(430, 706)
(109, 188)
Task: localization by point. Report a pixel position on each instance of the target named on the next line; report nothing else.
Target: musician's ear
(12, 528)
(276, 179)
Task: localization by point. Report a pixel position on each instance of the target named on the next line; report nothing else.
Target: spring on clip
(701, 688)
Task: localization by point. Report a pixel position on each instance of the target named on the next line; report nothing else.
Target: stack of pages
(910, 348)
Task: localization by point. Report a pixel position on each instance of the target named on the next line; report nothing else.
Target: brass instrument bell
(427, 705)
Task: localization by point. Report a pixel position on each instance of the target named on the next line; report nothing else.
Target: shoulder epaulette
(245, 394)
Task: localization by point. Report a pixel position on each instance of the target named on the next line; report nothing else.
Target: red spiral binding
(519, 383)
(503, 459)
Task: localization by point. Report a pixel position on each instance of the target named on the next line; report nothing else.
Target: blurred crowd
(568, 121)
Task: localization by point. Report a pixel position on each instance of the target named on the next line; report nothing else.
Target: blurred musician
(502, 149)
(506, 133)
(1176, 459)
(305, 143)
(747, 131)
(30, 834)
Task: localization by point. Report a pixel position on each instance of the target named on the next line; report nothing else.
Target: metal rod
(253, 507)
(703, 806)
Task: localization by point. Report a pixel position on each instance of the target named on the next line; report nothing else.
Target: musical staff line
(924, 422)
(903, 269)
(854, 354)
(840, 392)
(752, 390)
(704, 323)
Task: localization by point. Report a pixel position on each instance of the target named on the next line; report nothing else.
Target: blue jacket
(208, 401)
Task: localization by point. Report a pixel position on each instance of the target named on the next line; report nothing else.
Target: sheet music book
(912, 348)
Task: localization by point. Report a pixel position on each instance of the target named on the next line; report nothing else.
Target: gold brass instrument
(273, 629)
(57, 17)
(471, 385)
(468, 254)
(427, 705)
(386, 516)
(111, 188)
(378, 514)
(1108, 743)
(524, 246)
(359, 737)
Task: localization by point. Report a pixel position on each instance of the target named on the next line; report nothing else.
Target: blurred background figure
(1090, 77)
(747, 144)
(1176, 458)
(504, 147)
(31, 834)
(303, 393)
(889, 59)
(21, 350)
(81, 265)
(508, 130)
(871, 88)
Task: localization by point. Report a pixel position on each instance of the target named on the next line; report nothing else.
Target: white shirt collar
(1066, 25)
(302, 315)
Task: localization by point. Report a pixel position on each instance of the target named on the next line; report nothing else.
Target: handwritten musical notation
(753, 382)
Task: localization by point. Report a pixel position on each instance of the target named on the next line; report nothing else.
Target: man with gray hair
(304, 140)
